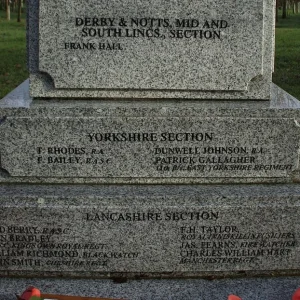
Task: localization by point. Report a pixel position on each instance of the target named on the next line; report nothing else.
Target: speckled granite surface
(151, 142)
(195, 51)
(187, 49)
(188, 289)
(150, 231)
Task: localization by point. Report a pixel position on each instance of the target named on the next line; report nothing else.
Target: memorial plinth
(84, 141)
(150, 142)
(150, 231)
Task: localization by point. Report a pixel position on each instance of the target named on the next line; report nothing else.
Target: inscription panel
(139, 238)
(173, 45)
(149, 148)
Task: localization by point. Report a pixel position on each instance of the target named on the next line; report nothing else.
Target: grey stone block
(157, 52)
(117, 49)
(150, 142)
(188, 289)
(166, 231)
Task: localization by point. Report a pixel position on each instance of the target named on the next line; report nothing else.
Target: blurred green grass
(13, 68)
(287, 54)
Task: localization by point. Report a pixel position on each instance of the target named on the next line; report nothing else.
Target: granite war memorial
(149, 141)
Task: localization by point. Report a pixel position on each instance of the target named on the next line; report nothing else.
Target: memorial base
(149, 231)
(188, 289)
(116, 207)
(149, 142)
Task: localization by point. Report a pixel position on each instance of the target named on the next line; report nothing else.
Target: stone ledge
(149, 231)
(189, 289)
